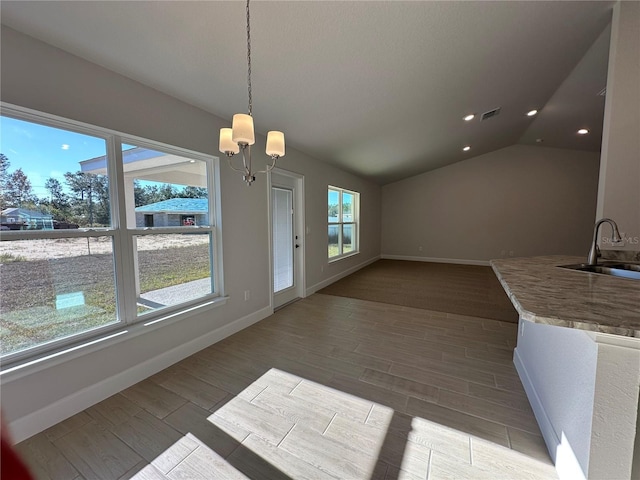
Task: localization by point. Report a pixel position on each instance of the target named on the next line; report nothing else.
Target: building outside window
(101, 231)
(343, 213)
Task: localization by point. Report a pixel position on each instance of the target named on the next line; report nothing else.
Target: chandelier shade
(275, 144)
(242, 128)
(226, 141)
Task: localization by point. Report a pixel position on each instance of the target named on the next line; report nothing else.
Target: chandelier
(241, 136)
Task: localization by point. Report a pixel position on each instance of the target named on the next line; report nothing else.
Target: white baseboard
(458, 261)
(36, 422)
(319, 286)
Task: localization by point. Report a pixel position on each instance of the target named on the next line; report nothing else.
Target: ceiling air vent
(489, 114)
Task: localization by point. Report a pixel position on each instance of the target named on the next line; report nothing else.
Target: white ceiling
(377, 88)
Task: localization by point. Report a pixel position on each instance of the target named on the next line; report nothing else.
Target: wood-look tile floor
(327, 387)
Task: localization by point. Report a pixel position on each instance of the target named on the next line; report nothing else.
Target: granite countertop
(543, 293)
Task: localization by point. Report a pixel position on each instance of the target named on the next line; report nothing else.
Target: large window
(98, 231)
(343, 209)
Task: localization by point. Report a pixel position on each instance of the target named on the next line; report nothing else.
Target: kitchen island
(578, 356)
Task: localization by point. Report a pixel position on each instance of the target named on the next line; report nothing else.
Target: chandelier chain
(241, 136)
(249, 59)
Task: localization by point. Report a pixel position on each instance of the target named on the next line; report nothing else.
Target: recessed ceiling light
(583, 131)
(531, 113)
(467, 148)
(469, 117)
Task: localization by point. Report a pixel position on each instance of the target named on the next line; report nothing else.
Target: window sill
(342, 257)
(26, 367)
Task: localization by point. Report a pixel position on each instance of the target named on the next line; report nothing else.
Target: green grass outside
(28, 313)
(160, 269)
(334, 250)
(9, 257)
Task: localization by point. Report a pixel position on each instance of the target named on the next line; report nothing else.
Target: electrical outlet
(247, 295)
(420, 248)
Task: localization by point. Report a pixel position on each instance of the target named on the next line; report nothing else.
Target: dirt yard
(74, 247)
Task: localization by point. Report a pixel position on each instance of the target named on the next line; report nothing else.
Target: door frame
(298, 228)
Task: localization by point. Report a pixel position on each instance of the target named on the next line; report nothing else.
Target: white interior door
(286, 238)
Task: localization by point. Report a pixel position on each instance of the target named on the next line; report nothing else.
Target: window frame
(122, 237)
(340, 223)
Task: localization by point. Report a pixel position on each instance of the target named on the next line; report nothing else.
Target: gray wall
(619, 189)
(527, 200)
(38, 76)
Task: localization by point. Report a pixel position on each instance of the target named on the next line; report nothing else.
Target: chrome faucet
(594, 253)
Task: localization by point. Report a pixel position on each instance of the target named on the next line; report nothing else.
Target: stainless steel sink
(615, 269)
(629, 266)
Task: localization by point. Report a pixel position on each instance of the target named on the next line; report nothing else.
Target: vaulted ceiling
(376, 88)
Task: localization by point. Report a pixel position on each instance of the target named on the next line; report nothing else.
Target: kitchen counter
(578, 357)
(543, 293)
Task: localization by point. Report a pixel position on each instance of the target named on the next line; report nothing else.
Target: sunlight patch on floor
(285, 426)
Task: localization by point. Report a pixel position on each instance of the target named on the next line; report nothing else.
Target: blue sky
(44, 152)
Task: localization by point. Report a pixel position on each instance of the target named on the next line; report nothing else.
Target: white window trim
(128, 322)
(355, 223)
